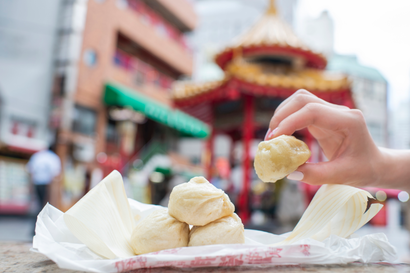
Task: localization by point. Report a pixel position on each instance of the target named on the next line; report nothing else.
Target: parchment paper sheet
(54, 240)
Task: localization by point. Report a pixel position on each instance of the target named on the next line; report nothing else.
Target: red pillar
(248, 132)
(209, 148)
(209, 154)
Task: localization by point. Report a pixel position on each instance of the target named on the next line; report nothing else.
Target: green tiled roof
(349, 64)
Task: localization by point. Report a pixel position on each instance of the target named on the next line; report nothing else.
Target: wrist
(393, 169)
(383, 164)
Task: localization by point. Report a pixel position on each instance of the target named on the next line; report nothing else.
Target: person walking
(43, 167)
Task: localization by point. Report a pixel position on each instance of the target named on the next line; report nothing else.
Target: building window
(368, 89)
(142, 72)
(139, 78)
(22, 126)
(111, 133)
(84, 120)
(148, 16)
(156, 80)
(90, 57)
(380, 91)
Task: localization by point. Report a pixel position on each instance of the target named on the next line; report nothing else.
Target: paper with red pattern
(54, 240)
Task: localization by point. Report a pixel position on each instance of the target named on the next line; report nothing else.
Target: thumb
(329, 172)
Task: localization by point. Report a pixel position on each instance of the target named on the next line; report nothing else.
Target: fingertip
(270, 134)
(282, 130)
(267, 134)
(296, 175)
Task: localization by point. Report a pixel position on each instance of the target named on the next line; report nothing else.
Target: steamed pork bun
(278, 157)
(198, 202)
(227, 230)
(159, 231)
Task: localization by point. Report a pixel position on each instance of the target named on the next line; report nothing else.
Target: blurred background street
(16, 228)
(163, 91)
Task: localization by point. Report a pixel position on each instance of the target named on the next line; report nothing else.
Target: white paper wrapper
(54, 240)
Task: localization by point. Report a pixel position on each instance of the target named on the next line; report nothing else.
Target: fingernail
(296, 176)
(270, 133)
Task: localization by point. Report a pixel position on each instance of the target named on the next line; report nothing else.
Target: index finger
(297, 103)
(316, 114)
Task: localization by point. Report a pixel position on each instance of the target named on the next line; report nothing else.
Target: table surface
(17, 257)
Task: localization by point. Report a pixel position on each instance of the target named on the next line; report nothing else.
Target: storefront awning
(119, 95)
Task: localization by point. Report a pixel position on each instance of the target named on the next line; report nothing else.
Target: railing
(152, 18)
(144, 73)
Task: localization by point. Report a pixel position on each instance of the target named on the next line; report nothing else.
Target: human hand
(354, 159)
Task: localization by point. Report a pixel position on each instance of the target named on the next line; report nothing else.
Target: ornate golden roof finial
(272, 7)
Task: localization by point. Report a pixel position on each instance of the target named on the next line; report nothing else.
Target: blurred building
(368, 85)
(28, 32)
(370, 94)
(117, 60)
(399, 118)
(317, 32)
(106, 66)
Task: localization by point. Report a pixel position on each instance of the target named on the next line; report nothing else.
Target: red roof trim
(341, 96)
(313, 60)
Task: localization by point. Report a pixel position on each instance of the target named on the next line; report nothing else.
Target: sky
(377, 31)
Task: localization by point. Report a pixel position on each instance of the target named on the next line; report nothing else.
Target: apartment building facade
(111, 95)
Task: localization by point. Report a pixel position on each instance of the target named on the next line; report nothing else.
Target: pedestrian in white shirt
(43, 167)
